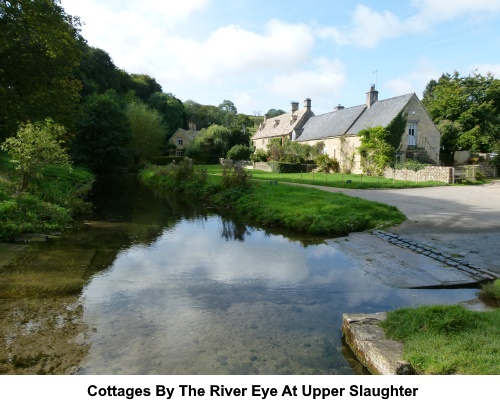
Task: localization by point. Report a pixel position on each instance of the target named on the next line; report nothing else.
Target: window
(179, 152)
(179, 141)
(412, 134)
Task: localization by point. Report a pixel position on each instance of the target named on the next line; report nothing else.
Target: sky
(263, 54)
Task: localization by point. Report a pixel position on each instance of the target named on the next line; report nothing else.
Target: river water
(173, 288)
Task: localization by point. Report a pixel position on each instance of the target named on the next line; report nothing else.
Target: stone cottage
(287, 125)
(339, 129)
(182, 138)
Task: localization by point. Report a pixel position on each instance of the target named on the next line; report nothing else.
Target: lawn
(353, 181)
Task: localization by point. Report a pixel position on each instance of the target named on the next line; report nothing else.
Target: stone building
(182, 138)
(288, 125)
(339, 129)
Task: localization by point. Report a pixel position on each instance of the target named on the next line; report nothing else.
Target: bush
(282, 167)
(326, 164)
(260, 155)
(165, 160)
(239, 152)
(235, 176)
(411, 164)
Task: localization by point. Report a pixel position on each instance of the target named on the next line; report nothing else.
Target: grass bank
(447, 339)
(304, 210)
(50, 202)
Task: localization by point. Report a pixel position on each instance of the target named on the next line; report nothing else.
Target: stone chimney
(307, 104)
(339, 107)
(295, 106)
(371, 96)
(192, 126)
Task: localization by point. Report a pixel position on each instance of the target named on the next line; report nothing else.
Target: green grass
(447, 339)
(313, 211)
(357, 181)
(491, 293)
(304, 210)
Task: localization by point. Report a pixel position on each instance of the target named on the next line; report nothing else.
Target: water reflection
(199, 301)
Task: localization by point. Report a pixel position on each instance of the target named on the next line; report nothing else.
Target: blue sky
(262, 54)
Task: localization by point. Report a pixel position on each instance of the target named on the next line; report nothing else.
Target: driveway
(462, 221)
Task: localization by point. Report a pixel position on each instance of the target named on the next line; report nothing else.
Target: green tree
(40, 49)
(229, 113)
(171, 109)
(274, 113)
(202, 115)
(103, 133)
(210, 144)
(375, 150)
(239, 152)
(35, 147)
(467, 112)
(147, 130)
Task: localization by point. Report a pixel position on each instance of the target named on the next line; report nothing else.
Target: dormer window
(276, 123)
(294, 118)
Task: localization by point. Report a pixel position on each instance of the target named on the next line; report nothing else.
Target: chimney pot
(307, 103)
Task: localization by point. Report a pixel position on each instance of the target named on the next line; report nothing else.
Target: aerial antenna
(375, 72)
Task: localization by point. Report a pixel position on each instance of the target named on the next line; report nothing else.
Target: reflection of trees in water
(231, 230)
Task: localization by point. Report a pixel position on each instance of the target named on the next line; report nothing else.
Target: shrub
(327, 164)
(260, 155)
(165, 160)
(239, 152)
(235, 176)
(282, 167)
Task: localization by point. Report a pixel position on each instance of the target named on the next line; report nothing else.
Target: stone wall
(442, 174)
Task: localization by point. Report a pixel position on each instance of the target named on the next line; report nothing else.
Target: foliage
(285, 167)
(396, 129)
(210, 144)
(165, 160)
(34, 147)
(239, 152)
(235, 176)
(171, 110)
(260, 155)
(447, 339)
(103, 134)
(39, 54)
(376, 153)
(316, 150)
(147, 130)
(202, 115)
(347, 154)
(274, 113)
(287, 151)
(411, 164)
(327, 164)
(229, 113)
(467, 112)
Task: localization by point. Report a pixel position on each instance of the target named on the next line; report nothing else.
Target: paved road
(463, 221)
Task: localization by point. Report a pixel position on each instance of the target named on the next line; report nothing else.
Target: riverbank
(50, 203)
(277, 205)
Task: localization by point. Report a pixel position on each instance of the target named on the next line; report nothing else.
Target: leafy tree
(103, 133)
(147, 129)
(327, 164)
(274, 113)
(375, 150)
(35, 147)
(144, 86)
(171, 109)
(287, 151)
(40, 49)
(202, 115)
(229, 113)
(210, 144)
(239, 152)
(467, 112)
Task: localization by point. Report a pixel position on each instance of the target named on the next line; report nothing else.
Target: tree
(210, 144)
(467, 112)
(229, 113)
(202, 115)
(376, 152)
(103, 133)
(40, 48)
(36, 146)
(239, 152)
(274, 113)
(171, 110)
(144, 86)
(147, 131)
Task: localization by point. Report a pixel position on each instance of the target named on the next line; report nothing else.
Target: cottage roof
(189, 134)
(334, 123)
(282, 124)
(349, 121)
(381, 113)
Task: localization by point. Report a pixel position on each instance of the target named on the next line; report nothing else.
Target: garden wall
(430, 173)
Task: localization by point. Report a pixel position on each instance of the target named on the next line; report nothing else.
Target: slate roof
(380, 113)
(188, 133)
(287, 123)
(349, 121)
(334, 123)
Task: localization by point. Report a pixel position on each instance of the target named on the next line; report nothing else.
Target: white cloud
(320, 84)
(369, 27)
(487, 68)
(413, 82)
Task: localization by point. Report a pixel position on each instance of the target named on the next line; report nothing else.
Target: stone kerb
(441, 174)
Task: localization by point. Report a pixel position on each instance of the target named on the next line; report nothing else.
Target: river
(170, 287)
